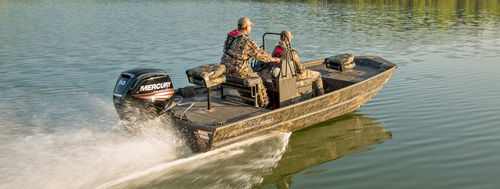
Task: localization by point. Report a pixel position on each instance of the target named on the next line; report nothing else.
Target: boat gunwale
(269, 128)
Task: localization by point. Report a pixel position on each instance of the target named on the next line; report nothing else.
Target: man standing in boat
(238, 49)
(285, 51)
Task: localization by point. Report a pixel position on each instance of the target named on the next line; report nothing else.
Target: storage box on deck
(341, 62)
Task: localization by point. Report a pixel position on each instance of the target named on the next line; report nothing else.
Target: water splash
(241, 165)
(85, 146)
(50, 151)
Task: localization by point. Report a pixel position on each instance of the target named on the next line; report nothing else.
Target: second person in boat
(285, 51)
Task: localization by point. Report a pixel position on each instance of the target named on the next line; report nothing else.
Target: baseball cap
(244, 22)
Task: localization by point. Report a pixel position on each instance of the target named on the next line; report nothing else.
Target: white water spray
(240, 165)
(90, 149)
(45, 152)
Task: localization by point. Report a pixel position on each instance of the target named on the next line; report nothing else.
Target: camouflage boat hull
(345, 93)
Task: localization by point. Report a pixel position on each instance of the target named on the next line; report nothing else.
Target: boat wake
(92, 150)
(240, 165)
(51, 150)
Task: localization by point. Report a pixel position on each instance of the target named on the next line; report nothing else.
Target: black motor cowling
(142, 93)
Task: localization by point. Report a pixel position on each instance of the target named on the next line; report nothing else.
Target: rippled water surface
(435, 124)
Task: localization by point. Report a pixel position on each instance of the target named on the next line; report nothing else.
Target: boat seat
(248, 86)
(207, 76)
(244, 81)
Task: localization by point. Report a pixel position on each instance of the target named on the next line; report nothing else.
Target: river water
(435, 124)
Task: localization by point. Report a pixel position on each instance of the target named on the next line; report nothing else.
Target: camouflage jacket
(238, 48)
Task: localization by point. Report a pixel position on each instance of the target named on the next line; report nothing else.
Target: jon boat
(213, 113)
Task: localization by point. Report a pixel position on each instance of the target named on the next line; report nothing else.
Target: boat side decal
(256, 123)
(203, 134)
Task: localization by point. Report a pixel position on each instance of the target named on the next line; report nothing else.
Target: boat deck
(222, 111)
(229, 110)
(334, 80)
(359, 73)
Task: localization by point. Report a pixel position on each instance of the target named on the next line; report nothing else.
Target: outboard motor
(142, 94)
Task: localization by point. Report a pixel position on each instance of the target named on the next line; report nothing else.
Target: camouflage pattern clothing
(238, 49)
(302, 73)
